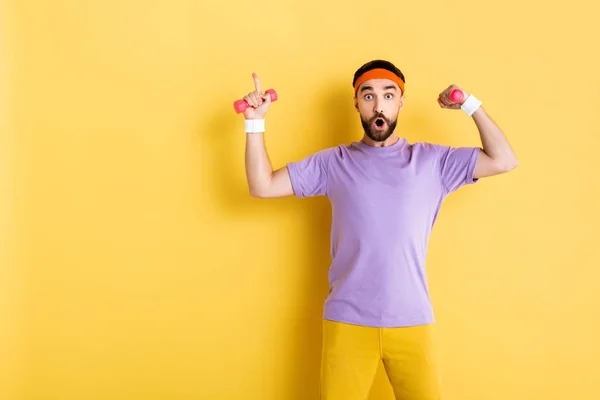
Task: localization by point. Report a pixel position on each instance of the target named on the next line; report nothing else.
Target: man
(385, 195)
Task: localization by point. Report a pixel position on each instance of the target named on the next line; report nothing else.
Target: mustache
(379, 115)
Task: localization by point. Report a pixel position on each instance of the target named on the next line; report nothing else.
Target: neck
(387, 142)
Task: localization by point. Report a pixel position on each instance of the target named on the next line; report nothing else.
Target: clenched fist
(259, 102)
(445, 101)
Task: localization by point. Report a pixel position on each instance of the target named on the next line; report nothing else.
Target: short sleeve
(309, 175)
(457, 166)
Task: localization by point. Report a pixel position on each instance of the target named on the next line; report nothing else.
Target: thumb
(266, 97)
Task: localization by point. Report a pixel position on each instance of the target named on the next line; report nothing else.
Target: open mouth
(379, 122)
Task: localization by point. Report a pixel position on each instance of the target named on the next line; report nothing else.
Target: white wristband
(470, 105)
(254, 125)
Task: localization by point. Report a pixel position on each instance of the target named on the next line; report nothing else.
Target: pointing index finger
(256, 82)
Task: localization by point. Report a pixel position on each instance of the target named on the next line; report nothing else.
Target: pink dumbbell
(456, 95)
(240, 105)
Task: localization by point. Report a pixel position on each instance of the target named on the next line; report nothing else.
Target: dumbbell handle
(241, 105)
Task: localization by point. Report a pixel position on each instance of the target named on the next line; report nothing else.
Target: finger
(266, 98)
(259, 99)
(256, 101)
(256, 82)
(249, 99)
(444, 97)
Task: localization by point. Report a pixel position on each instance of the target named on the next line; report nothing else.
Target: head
(378, 97)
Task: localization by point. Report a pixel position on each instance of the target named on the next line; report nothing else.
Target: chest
(405, 186)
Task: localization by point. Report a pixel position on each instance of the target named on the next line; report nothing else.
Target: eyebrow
(364, 88)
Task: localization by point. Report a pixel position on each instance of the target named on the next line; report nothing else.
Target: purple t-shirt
(384, 201)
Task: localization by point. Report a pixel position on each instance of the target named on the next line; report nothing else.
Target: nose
(377, 108)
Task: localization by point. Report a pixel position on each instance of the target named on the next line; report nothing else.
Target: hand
(444, 98)
(258, 101)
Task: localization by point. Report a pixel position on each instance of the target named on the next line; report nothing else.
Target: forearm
(258, 165)
(493, 141)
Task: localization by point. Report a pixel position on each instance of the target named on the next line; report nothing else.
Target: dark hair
(378, 64)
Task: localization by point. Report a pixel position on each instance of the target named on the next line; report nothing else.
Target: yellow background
(136, 266)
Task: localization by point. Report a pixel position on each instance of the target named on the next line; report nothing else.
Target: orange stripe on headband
(378, 73)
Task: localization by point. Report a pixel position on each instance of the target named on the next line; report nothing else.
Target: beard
(378, 134)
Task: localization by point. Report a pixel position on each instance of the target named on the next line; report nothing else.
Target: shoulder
(340, 151)
(427, 149)
(319, 158)
(327, 154)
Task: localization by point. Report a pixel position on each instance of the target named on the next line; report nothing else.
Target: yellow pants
(352, 354)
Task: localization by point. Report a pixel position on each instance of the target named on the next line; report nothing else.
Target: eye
(389, 96)
(368, 97)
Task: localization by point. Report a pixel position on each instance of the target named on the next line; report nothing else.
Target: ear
(401, 102)
(356, 103)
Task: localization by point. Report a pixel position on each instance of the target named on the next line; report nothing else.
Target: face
(379, 101)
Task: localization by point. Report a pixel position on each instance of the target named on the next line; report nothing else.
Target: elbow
(260, 189)
(509, 165)
(256, 192)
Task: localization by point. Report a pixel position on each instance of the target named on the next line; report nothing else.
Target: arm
(497, 156)
(263, 182)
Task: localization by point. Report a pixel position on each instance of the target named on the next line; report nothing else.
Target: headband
(378, 73)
